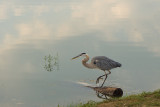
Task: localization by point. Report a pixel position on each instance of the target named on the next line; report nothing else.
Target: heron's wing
(104, 63)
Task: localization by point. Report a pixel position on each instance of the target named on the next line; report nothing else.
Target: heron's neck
(84, 62)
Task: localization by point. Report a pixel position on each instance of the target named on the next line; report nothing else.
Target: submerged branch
(107, 91)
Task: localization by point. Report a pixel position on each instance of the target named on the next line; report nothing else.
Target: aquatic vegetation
(51, 63)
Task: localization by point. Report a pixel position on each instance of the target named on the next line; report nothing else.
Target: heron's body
(99, 62)
(104, 63)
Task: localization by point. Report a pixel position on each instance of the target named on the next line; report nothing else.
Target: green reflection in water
(51, 63)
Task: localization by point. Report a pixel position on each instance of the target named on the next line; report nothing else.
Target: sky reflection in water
(126, 31)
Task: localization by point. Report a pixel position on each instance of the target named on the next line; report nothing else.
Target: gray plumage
(100, 62)
(104, 63)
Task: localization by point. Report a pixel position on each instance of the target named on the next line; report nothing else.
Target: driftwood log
(107, 91)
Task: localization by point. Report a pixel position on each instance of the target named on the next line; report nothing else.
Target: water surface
(125, 31)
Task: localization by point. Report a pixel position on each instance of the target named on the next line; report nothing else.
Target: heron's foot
(101, 86)
(97, 81)
(100, 77)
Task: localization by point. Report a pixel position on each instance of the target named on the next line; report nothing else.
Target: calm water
(127, 31)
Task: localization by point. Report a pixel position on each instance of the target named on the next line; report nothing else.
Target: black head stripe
(83, 53)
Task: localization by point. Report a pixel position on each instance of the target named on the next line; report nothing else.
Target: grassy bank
(145, 99)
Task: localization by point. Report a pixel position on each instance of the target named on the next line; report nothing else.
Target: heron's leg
(104, 79)
(97, 81)
(109, 72)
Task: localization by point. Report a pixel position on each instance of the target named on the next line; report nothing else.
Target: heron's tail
(118, 64)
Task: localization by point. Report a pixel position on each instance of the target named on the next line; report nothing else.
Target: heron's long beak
(76, 57)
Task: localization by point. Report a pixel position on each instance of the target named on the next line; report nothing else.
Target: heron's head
(82, 54)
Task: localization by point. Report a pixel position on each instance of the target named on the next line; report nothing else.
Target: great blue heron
(100, 62)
